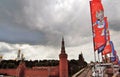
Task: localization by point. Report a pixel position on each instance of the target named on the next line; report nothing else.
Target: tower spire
(18, 55)
(63, 46)
(63, 63)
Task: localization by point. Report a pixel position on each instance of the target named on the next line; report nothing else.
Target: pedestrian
(117, 74)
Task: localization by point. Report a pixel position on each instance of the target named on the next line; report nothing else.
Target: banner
(98, 24)
(113, 49)
(96, 0)
(107, 49)
(101, 49)
(107, 30)
(113, 53)
(107, 36)
(113, 59)
(117, 60)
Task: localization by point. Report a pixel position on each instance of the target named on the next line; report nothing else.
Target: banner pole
(92, 32)
(94, 56)
(110, 57)
(98, 57)
(102, 57)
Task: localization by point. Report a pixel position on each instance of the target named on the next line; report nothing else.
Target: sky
(37, 27)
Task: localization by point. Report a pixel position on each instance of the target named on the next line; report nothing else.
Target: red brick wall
(42, 72)
(11, 72)
(34, 72)
(54, 71)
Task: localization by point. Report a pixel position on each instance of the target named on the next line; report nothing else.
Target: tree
(11, 65)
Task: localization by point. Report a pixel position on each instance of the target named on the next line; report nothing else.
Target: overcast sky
(37, 26)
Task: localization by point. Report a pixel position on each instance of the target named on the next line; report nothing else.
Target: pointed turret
(63, 63)
(81, 59)
(22, 57)
(18, 55)
(63, 46)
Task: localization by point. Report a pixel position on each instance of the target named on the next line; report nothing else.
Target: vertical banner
(113, 53)
(107, 30)
(98, 23)
(108, 48)
(96, 0)
(107, 36)
(113, 49)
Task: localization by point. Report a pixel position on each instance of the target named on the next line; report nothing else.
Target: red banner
(98, 23)
(97, 11)
(107, 30)
(117, 60)
(107, 49)
(96, 0)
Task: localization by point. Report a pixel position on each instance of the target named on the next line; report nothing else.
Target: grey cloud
(45, 22)
(115, 25)
(6, 48)
(113, 13)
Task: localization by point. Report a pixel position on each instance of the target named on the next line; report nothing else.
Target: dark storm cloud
(112, 11)
(45, 22)
(14, 24)
(11, 10)
(37, 22)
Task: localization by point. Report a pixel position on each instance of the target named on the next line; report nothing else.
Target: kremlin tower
(63, 63)
(18, 55)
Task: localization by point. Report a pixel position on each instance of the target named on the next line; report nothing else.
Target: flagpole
(102, 57)
(110, 57)
(94, 56)
(98, 57)
(106, 58)
(92, 32)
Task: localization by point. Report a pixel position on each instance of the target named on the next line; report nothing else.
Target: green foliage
(76, 65)
(5, 64)
(11, 65)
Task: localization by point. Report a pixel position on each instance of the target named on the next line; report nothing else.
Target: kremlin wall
(63, 68)
(50, 71)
